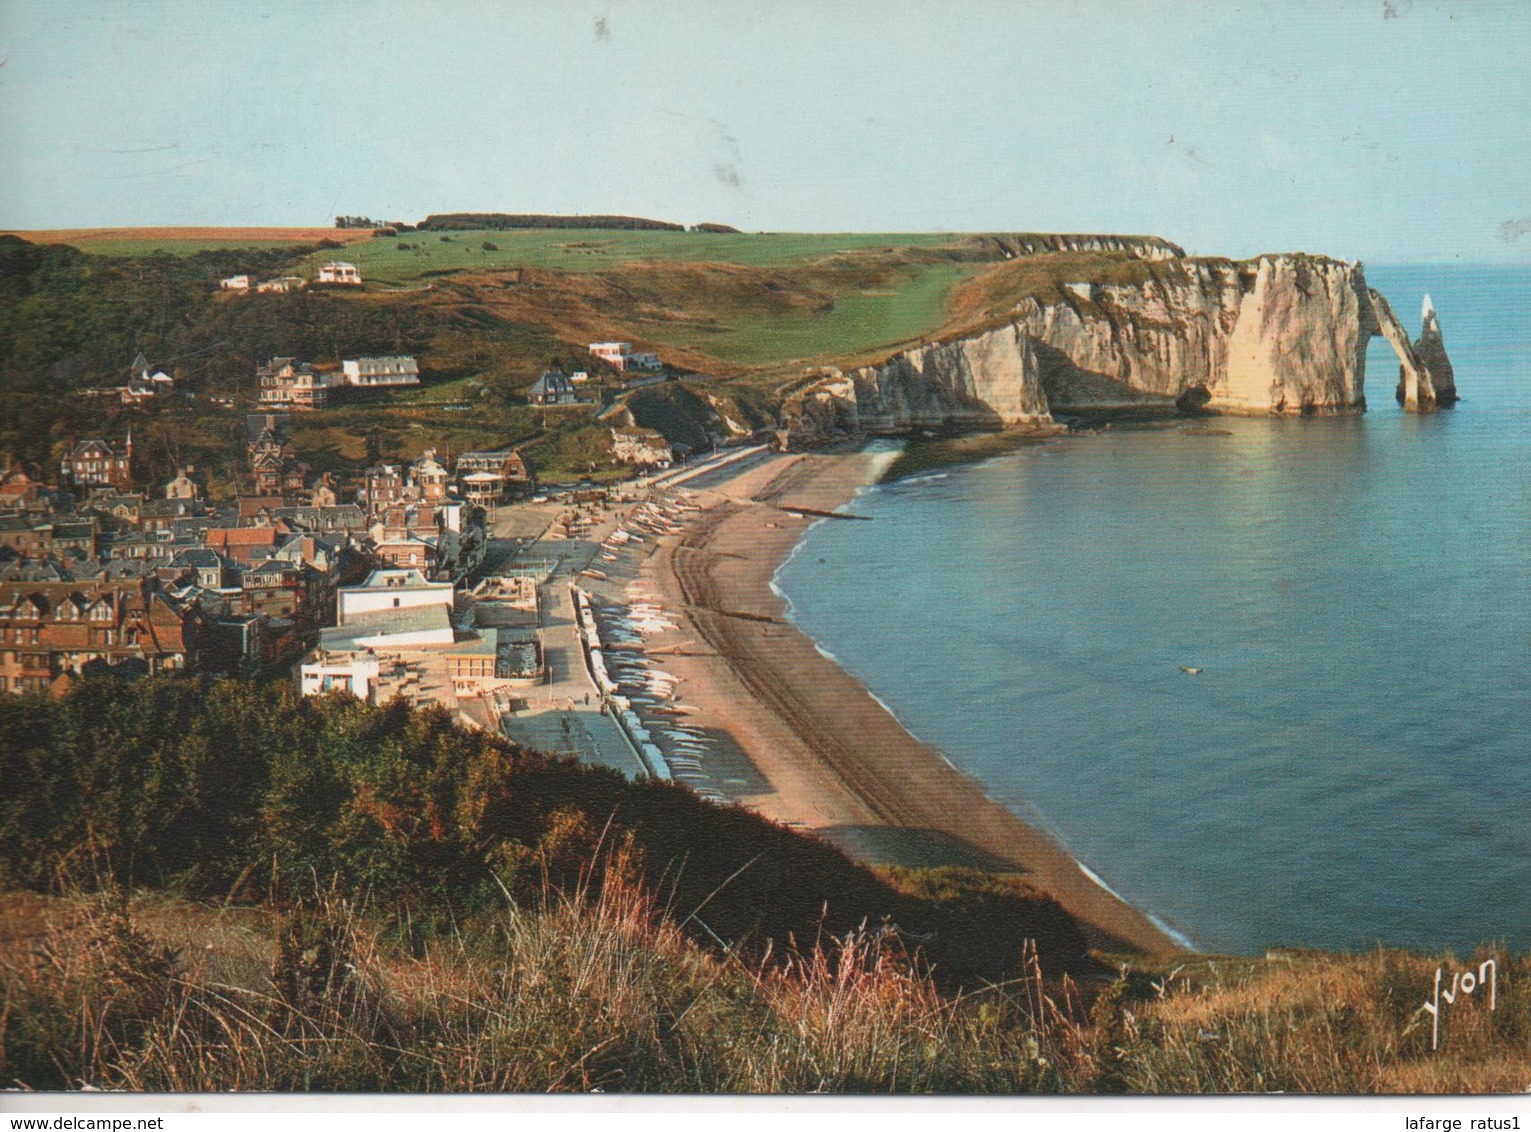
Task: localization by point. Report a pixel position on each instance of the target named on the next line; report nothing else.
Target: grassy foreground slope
(261, 894)
(591, 990)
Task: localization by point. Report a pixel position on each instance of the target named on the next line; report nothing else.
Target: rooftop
(404, 578)
(477, 642)
(370, 629)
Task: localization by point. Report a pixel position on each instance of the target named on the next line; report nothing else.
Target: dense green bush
(235, 789)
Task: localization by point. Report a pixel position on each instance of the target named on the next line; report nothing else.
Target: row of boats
(654, 518)
(643, 697)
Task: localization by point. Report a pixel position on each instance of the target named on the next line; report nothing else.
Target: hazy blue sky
(1383, 129)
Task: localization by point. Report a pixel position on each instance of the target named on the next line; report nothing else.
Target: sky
(1384, 130)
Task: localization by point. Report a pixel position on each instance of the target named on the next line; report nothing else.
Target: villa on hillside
(144, 386)
(280, 285)
(289, 383)
(141, 387)
(340, 272)
(243, 284)
(98, 463)
(622, 356)
(553, 388)
(369, 373)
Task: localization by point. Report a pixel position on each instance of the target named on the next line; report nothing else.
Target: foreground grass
(604, 993)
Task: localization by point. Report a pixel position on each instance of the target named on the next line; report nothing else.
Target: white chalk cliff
(1280, 334)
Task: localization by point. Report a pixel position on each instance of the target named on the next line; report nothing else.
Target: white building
(371, 372)
(612, 353)
(353, 672)
(622, 356)
(235, 283)
(391, 589)
(280, 285)
(339, 272)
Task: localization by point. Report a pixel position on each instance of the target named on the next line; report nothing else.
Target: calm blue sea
(1353, 765)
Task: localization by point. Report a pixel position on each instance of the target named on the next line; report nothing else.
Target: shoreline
(837, 763)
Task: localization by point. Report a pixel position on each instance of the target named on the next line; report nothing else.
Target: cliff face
(1300, 340)
(989, 379)
(1281, 334)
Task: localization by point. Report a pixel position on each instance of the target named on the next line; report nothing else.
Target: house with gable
(99, 463)
(183, 486)
(21, 490)
(286, 383)
(491, 477)
(48, 629)
(553, 388)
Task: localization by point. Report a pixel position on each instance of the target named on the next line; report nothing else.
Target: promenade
(563, 714)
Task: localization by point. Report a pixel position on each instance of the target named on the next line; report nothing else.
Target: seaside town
(459, 582)
(549, 549)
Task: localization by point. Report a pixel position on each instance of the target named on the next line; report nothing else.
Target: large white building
(423, 626)
(389, 590)
(369, 373)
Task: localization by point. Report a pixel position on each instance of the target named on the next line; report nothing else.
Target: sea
(1350, 765)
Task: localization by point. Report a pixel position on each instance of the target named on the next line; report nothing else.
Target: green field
(860, 316)
(429, 254)
(861, 321)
